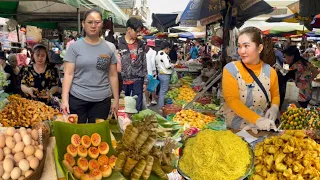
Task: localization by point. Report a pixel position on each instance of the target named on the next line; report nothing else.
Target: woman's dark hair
(255, 36)
(165, 45)
(38, 48)
(108, 24)
(86, 14)
(294, 51)
(134, 23)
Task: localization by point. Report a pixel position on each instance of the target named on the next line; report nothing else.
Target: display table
(316, 92)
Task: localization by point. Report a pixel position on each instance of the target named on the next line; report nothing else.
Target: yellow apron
(250, 94)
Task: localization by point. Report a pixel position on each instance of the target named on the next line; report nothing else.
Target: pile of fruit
(199, 106)
(173, 94)
(137, 156)
(299, 118)
(23, 112)
(186, 93)
(289, 156)
(20, 153)
(83, 148)
(186, 80)
(192, 118)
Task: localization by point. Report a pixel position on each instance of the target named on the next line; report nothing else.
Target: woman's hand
(29, 91)
(64, 107)
(115, 107)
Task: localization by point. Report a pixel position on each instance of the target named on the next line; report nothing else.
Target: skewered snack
(24, 112)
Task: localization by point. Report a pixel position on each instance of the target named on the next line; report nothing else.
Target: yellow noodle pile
(215, 155)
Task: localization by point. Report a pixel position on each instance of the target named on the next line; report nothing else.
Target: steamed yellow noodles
(215, 155)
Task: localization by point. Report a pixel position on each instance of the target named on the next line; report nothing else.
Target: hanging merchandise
(232, 48)
(268, 56)
(216, 38)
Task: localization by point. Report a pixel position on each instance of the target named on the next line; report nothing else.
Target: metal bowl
(249, 168)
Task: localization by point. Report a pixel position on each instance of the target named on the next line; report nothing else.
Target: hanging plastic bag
(153, 83)
(174, 78)
(292, 92)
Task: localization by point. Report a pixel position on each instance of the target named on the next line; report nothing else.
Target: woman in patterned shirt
(302, 71)
(39, 79)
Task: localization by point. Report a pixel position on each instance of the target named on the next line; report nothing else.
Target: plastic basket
(153, 84)
(170, 109)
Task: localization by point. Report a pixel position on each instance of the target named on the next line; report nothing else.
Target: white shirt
(163, 63)
(151, 61)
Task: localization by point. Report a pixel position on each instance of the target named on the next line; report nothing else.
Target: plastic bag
(153, 84)
(292, 92)
(174, 78)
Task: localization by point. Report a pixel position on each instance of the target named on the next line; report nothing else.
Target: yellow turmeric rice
(215, 155)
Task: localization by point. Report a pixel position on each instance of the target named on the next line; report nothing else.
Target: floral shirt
(303, 80)
(43, 81)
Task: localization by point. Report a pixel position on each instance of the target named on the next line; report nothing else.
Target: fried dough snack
(24, 112)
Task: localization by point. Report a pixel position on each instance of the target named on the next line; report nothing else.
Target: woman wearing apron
(246, 104)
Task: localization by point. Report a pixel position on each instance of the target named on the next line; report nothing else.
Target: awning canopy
(55, 14)
(164, 21)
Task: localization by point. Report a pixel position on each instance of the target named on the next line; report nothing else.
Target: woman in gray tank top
(91, 77)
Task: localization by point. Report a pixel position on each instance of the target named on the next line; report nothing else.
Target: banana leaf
(64, 131)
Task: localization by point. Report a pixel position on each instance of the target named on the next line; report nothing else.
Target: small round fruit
(95, 139)
(71, 149)
(87, 177)
(106, 170)
(1, 155)
(86, 141)
(112, 161)
(1, 170)
(96, 173)
(24, 165)
(6, 175)
(82, 151)
(69, 159)
(34, 134)
(77, 172)
(103, 160)
(15, 173)
(93, 164)
(17, 137)
(93, 152)
(103, 148)
(75, 140)
(6, 151)
(2, 141)
(83, 163)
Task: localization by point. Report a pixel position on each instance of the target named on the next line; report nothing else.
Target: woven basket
(36, 175)
(170, 109)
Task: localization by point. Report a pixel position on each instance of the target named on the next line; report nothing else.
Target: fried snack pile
(215, 155)
(24, 112)
(289, 156)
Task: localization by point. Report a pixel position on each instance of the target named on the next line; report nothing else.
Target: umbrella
(209, 11)
(200, 10)
(164, 21)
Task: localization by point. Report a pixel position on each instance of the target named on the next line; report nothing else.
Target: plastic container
(170, 109)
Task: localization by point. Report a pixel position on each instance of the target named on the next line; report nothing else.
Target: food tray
(44, 141)
(64, 131)
(250, 167)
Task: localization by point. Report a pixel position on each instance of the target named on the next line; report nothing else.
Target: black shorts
(88, 112)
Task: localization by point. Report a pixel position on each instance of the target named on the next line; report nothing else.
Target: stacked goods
(136, 154)
(299, 118)
(172, 94)
(215, 155)
(289, 156)
(186, 80)
(87, 159)
(20, 153)
(24, 112)
(3, 100)
(192, 118)
(186, 93)
(199, 106)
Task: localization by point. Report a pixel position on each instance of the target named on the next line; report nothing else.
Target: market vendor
(91, 76)
(40, 78)
(246, 104)
(302, 72)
